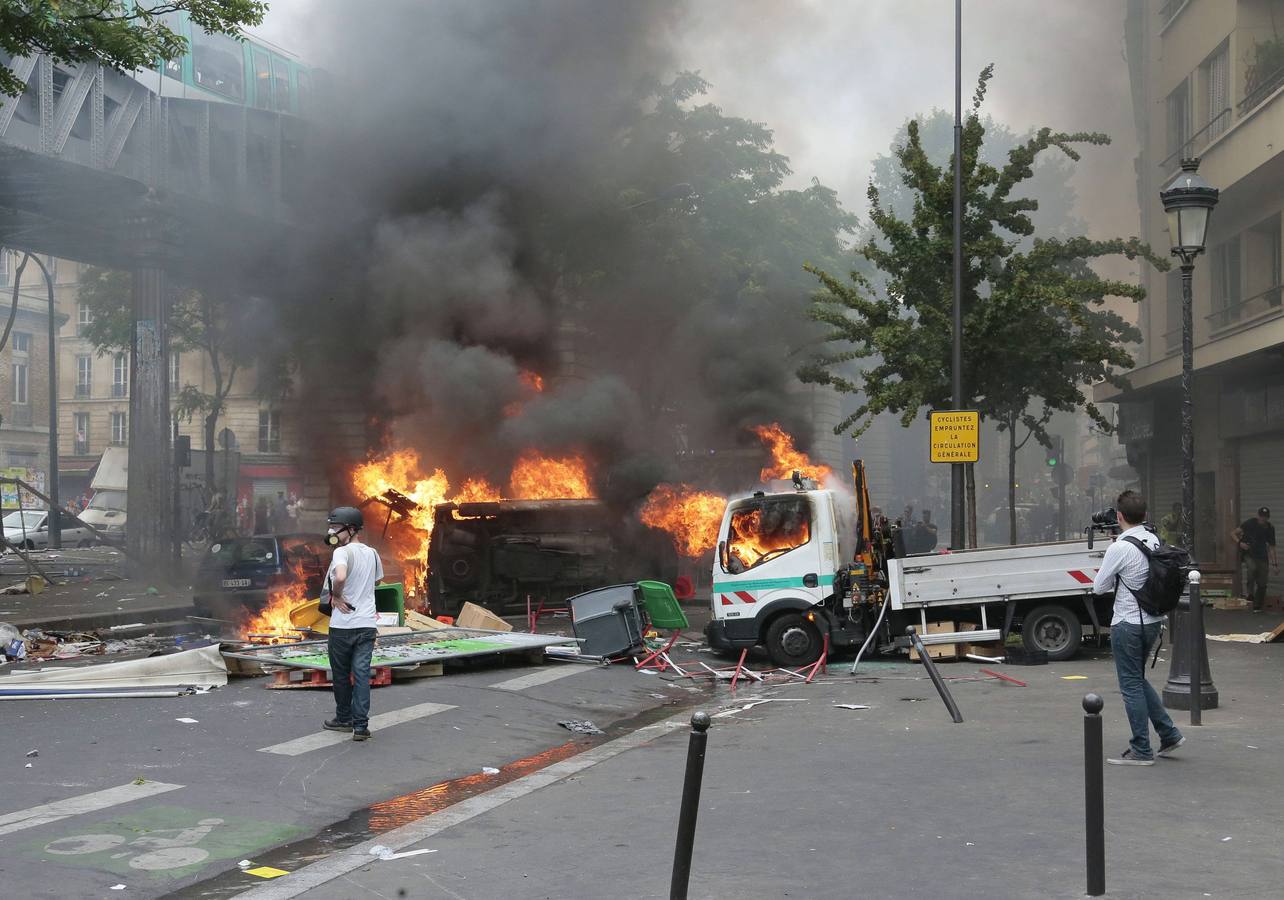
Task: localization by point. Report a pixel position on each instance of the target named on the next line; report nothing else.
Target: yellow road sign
(955, 435)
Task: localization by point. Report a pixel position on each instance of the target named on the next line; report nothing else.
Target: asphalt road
(218, 798)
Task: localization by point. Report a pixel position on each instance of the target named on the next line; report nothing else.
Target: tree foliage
(1037, 329)
(199, 321)
(121, 34)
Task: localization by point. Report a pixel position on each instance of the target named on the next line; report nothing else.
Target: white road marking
(344, 862)
(542, 676)
(74, 806)
(377, 723)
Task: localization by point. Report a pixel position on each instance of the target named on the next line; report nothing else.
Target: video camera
(1106, 520)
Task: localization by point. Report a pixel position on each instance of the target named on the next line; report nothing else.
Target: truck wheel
(792, 641)
(1054, 629)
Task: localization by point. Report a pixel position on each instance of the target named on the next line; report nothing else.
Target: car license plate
(236, 582)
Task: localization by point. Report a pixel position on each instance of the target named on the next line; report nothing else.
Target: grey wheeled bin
(608, 620)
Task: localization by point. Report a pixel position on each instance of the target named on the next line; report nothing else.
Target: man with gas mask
(355, 569)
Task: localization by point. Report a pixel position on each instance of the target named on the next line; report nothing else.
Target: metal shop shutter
(1165, 487)
(1261, 483)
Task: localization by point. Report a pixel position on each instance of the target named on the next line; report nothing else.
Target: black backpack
(1166, 580)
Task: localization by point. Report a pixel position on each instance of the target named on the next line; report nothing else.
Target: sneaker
(1128, 758)
(336, 725)
(1167, 750)
(361, 734)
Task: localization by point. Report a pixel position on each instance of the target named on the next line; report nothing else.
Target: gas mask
(332, 536)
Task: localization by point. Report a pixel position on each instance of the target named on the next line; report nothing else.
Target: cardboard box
(419, 622)
(939, 651)
(474, 616)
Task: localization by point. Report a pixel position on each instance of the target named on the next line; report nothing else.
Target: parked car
(29, 528)
(236, 575)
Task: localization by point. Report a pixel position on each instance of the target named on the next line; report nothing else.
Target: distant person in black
(1256, 540)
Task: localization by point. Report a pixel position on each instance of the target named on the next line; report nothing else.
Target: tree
(1036, 328)
(198, 321)
(121, 34)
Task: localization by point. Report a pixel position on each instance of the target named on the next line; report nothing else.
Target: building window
(80, 429)
(84, 374)
(1262, 275)
(20, 383)
(21, 342)
(1179, 120)
(6, 267)
(174, 366)
(1224, 261)
(119, 429)
(84, 317)
(1215, 74)
(269, 431)
(120, 376)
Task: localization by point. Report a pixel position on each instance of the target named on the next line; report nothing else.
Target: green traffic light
(1052, 461)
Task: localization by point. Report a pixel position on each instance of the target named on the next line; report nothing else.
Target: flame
(476, 490)
(402, 471)
(274, 619)
(537, 477)
(532, 380)
(749, 538)
(786, 459)
(690, 516)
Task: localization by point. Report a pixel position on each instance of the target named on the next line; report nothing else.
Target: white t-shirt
(364, 569)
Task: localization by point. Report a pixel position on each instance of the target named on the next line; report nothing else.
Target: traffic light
(1052, 455)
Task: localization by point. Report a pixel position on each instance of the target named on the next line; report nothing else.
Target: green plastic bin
(661, 606)
(391, 598)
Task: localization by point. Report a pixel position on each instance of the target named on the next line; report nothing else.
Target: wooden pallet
(284, 679)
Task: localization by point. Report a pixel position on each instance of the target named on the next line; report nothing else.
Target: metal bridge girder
(70, 103)
(22, 67)
(122, 125)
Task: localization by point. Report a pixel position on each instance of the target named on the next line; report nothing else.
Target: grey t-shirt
(364, 570)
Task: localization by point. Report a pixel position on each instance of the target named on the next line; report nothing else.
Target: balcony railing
(120, 390)
(1195, 144)
(1257, 88)
(81, 448)
(1169, 11)
(1268, 303)
(82, 391)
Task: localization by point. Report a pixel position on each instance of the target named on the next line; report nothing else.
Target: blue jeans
(350, 652)
(1131, 647)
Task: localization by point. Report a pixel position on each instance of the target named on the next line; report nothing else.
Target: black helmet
(346, 515)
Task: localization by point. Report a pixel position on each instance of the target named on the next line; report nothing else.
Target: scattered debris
(27, 766)
(387, 853)
(489, 770)
(1225, 839)
(1074, 677)
(473, 616)
(266, 872)
(31, 753)
(172, 675)
(1265, 637)
(1250, 746)
(913, 700)
(988, 659)
(116, 887)
(852, 706)
(751, 704)
(581, 726)
(187, 721)
(244, 864)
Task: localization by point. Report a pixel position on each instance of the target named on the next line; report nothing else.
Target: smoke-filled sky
(469, 131)
(835, 79)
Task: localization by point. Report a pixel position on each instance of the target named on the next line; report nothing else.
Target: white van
(108, 507)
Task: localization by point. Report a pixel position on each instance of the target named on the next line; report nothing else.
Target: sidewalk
(803, 799)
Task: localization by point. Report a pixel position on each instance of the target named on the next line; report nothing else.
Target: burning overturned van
(496, 553)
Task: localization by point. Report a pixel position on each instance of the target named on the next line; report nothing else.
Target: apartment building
(93, 411)
(24, 371)
(1208, 82)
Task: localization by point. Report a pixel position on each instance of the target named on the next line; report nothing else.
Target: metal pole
(1195, 624)
(941, 688)
(690, 806)
(1094, 799)
(51, 486)
(958, 534)
(1187, 411)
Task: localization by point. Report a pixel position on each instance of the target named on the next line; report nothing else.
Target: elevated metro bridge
(184, 172)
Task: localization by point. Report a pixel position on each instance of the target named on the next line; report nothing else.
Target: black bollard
(1094, 794)
(1197, 649)
(690, 806)
(946, 697)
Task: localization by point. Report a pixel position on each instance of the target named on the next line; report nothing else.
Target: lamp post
(1188, 201)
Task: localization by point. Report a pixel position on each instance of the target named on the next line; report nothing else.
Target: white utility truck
(796, 568)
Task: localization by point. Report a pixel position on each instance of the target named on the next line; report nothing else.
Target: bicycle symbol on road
(164, 848)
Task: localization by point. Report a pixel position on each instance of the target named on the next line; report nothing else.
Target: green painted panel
(766, 584)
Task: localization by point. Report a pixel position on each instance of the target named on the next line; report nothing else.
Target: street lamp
(1188, 201)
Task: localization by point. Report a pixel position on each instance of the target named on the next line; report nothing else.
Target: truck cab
(774, 572)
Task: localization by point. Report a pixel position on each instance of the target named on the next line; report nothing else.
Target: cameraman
(1133, 632)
